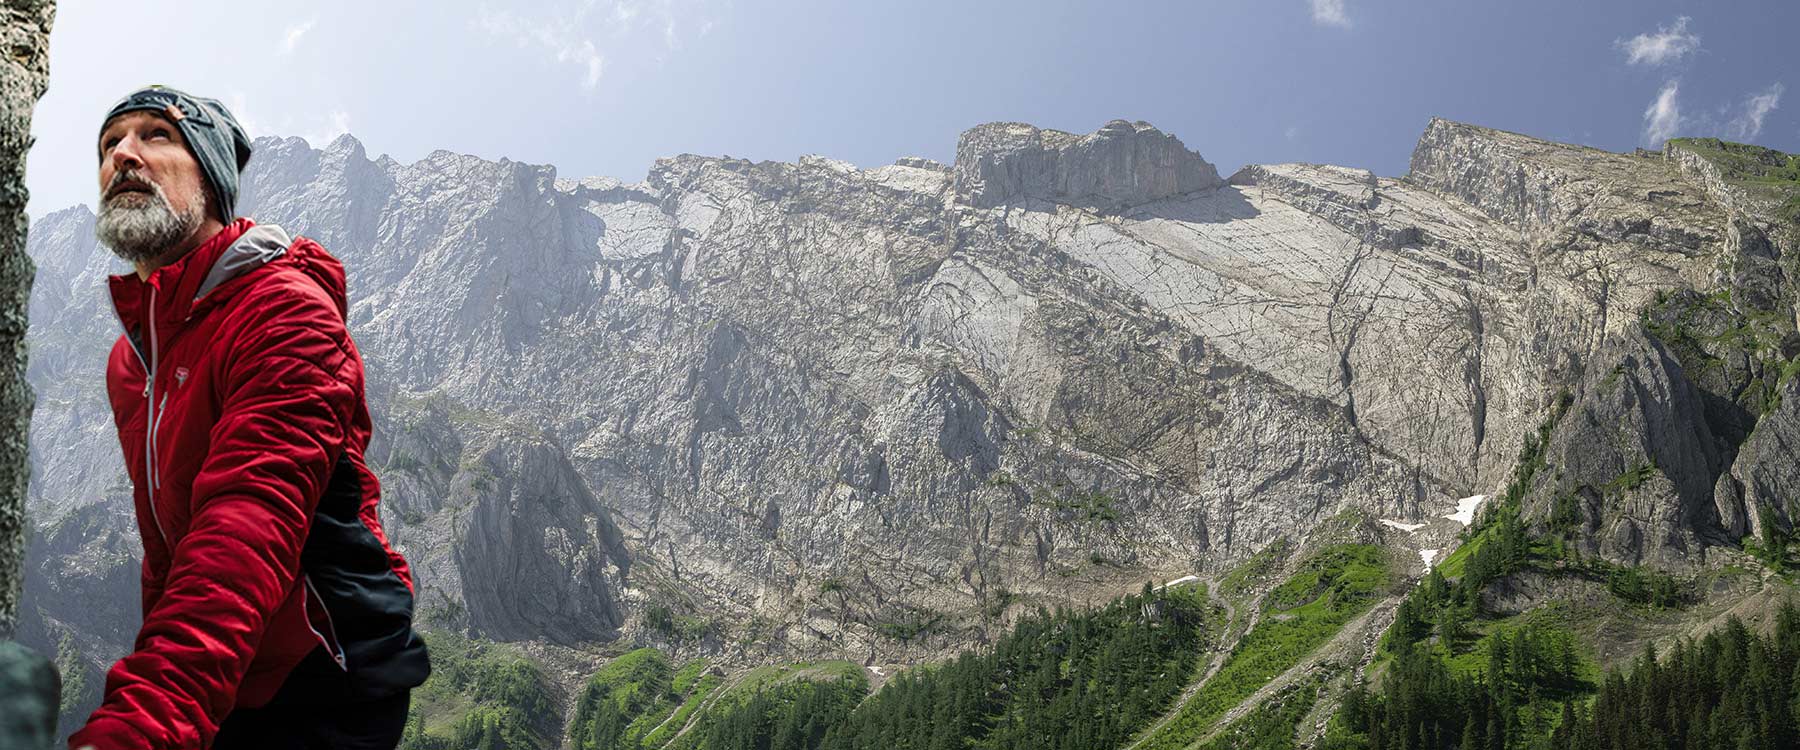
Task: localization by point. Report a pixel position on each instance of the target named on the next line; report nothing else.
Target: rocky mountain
(767, 411)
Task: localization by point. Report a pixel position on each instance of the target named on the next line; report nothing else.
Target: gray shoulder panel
(260, 244)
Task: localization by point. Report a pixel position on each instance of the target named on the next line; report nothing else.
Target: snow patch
(1465, 509)
(1407, 527)
(1179, 581)
(1428, 555)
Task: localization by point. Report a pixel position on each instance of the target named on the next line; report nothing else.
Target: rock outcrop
(1121, 164)
(529, 517)
(1759, 488)
(1636, 457)
(1572, 193)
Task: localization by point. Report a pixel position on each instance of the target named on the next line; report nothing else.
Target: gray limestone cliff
(1682, 438)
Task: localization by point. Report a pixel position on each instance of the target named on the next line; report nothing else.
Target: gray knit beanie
(212, 134)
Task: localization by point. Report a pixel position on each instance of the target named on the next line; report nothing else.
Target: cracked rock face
(1121, 164)
(1760, 488)
(530, 518)
(1637, 456)
(797, 409)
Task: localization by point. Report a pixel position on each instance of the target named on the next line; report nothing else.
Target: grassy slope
(1331, 588)
(660, 700)
(694, 684)
(738, 691)
(1272, 725)
(470, 676)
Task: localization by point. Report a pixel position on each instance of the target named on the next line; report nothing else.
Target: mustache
(132, 179)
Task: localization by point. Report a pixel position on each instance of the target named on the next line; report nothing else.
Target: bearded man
(276, 615)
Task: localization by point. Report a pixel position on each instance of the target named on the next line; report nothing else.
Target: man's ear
(212, 201)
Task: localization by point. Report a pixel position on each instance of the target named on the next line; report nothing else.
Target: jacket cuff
(109, 733)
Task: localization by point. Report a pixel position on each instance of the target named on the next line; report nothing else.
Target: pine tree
(1774, 538)
(490, 736)
(1472, 736)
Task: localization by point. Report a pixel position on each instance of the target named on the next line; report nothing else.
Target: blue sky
(604, 87)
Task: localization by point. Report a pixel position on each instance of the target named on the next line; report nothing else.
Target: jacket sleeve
(286, 408)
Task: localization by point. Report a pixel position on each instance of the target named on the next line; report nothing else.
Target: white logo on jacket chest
(181, 374)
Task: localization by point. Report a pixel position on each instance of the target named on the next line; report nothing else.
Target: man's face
(152, 193)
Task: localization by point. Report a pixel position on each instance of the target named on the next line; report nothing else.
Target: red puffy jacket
(238, 397)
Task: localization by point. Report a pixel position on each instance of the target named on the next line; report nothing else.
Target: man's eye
(110, 142)
(159, 133)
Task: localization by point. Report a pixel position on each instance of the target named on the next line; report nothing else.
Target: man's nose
(125, 155)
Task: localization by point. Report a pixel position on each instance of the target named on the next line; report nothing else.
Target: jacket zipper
(331, 644)
(150, 413)
(150, 421)
(156, 479)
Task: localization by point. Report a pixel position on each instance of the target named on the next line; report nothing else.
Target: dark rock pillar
(29, 688)
(23, 73)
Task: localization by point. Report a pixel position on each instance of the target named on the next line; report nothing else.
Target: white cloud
(1292, 132)
(561, 38)
(1749, 124)
(584, 55)
(291, 39)
(584, 33)
(1669, 44)
(247, 119)
(1329, 13)
(1663, 117)
(339, 124)
(317, 132)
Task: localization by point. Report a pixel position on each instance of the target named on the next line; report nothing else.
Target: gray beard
(143, 232)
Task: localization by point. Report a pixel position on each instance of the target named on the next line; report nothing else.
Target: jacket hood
(263, 244)
(256, 246)
(323, 268)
